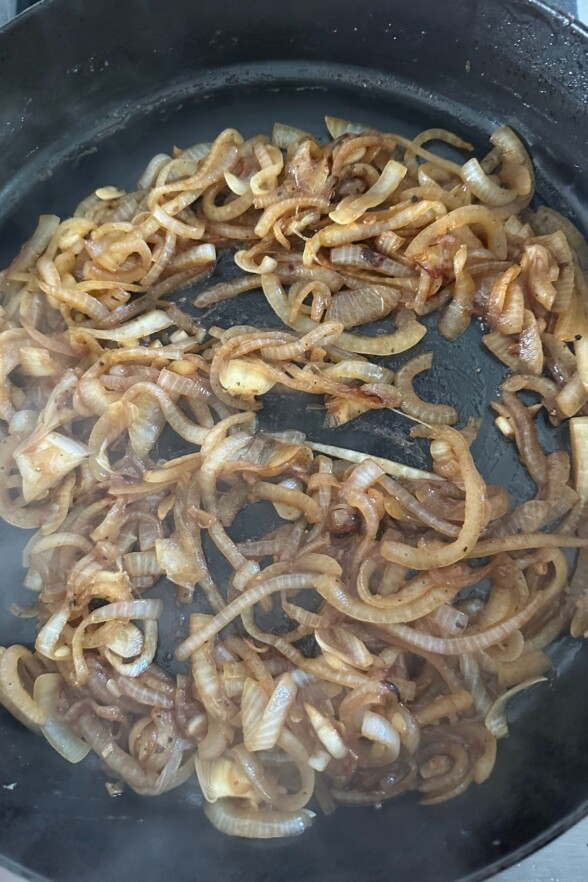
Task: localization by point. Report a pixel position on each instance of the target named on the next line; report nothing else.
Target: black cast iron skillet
(88, 92)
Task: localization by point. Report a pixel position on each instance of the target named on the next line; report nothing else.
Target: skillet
(88, 93)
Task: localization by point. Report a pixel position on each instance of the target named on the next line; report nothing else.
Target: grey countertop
(563, 860)
(566, 858)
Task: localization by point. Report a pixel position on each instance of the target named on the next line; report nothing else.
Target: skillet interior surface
(57, 820)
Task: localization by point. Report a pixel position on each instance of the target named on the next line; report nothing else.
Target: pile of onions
(385, 672)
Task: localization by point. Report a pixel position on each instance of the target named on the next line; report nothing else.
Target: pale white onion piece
(236, 819)
(13, 694)
(475, 683)
(361, 306)
(572, 397)
(139, 564)
(143, 326)
(579, 439)
(267, 265)
(450, 619)
(245, 378)
(581, 352)
(75, 298)
(269, 726)
(352, 369)
(155, 165)
(244, 574)
(326, 732)
(219, 778)
(180, 385)
(195, 256)
(319, 760)
(504, 425)
(48, 636)
(341, 643)
(378, 728)
(236, 185)
(288, 512)
(58, 734)
(271, 164)
(178, 565)
(337, 126)
(37, 362)
(179, 228)
(284, 135)
(146, 422)
(197, 151)
(128, 641)
(23, 422)
(253, 704)
(216, 740)
(44, 463)
(108, 193)
(362, 477)
(139, 664)
(483, 187)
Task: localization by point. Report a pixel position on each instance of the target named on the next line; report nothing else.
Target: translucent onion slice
(581, 352)
(579, 440)
(150, 323)
(483, 187)
(267, 728)
(13, 694)
(395, 469)
(495, 720)
(219, 778)
(359, 307)
(326, 732)
(245, 378)
(128, 641)
(460, 217)
(37, 362)
(236, 819)
(288, 512)
(392, 175)
(450, 619)
(474, 521)
(48, 636)
(145, 424)
(344, 645)
(337, 126)
(283, 135)
(59, 735)
(377, 728)
(173, 560)
(44, 463)
(34, 248)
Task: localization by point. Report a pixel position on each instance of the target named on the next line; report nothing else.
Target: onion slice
(235, 819)
(58, 734)
(495, 720)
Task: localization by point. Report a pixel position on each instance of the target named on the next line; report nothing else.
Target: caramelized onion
(314, 646)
